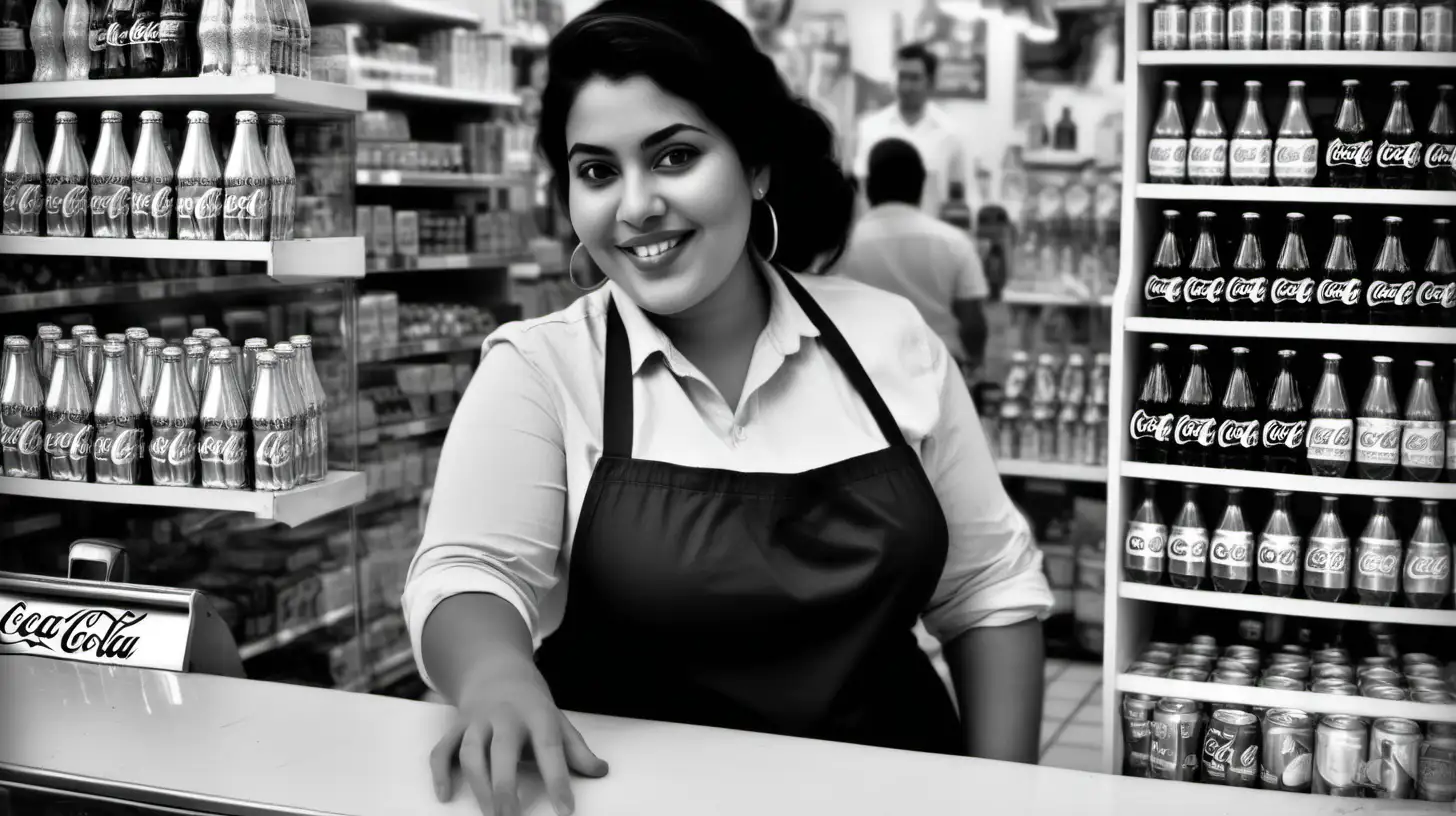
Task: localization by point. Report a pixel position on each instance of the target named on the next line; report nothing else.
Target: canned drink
(1437, 779)
(1293, 672)
(1381, 691)
(1286, 760)
(1437, 26)
(1137, 733)
(1229, 664)
(1192, 674)
(1294, 649)
(1157, 656)
(1427, 684)
(1418, 658)
(1331, 656)
(1162, 646)
(1378, 674)
(1343, 688)
(1281, 683)
(1285, 25)
(1434, 697)
(1231, 749)
(1207, 650)
(1203, 641)
(1323, 24)
(1206, 26)
(1177, 727)
(1170, 26)
(1362, 26)
(1380, 661)
(1332, 671)
(1145, 669)
(1233, 678)
(1399, 26)
(1423, 670)
(1197, 661)
(1246, 25)
(1395, 757)
(1339, 755)
(1237, 650)
(1289, 659)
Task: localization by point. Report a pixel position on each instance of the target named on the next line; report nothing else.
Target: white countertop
(254, 747)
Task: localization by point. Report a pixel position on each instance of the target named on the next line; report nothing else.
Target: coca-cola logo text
(1150, 426)
(1327, 559)
(275, 449)
(27, 438)
(1334, 291)
(228, 448)
(1162, 151)
(1233, 434)
(116, 36)
(119, 447)
(1387, 439)
(1272, 553)
(1288, 434)
(1206, 152)
(1290, 290)
(1378, 563)
(98, 632)
(1230, 552)
(1167, 289)
(1430, 294)
(114, 206)
(1331, 436)
(75, 445)
(157, 203)
(1250, 152)
(26, 199)
(144, 32)
(1195, 430)
(1184, 548)
(176, 449)
(1431, 567)
(1241, 289)
(206, 205)
(1218, 748)
(1203, 289)
(1298, 152)
(249, 205)
(1398, 155)
(1349, 154)
(1390, 293)
(1439, 156)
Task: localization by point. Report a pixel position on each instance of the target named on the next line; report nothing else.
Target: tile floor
(1071, 724)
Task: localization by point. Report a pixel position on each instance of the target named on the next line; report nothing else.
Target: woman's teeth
(653, 250)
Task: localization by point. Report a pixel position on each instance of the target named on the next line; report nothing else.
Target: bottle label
(65, 200)
(1390, 293)
(1379, 558)
(1169, 290)
(1158, 427)
(174, 30)
(1279, 434)
(1292, 290)
(1423, 444)
(1432, 295)
(1234, 434)
(1207, 158)
(1145, 539)
(1279, 552)
(1190, 430)
(97, 39)
(1253, 290)
(1390, 154)
(1451, 440)
(22, 198)
(1434, 564)
(1333, 291)
(1330, 556)
(1296, 158)
(117, 37)
(1189, 545)
(1331, 440)
(1377, 441)
(110, 201)
(145, 31)
(1250, 158)
(1203, 290)
(13, 39)
(1341, 153)
(1440, 156)
(1168, 159)
(1231, 549)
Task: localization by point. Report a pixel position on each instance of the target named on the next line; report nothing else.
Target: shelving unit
(1060, 471)
(1131, 609)
(443, 181)
(278, 640)
(420, 92)
(396, 12)
(144, 291)
(318, 258)
(420, 348)
(404, 430)
(1012, 297)
(441, 263)
(269, 93)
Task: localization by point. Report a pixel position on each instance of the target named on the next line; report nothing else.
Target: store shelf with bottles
(1296, 59)
(312, 259)
(1059, 471)
(1337, 332)
(421, 348)
(1297, 483)
(144, 291)
(1294, 607)
(1357, 196)
(443, 181)
(442, 263)
(271, 93)
(1312, 702)
(419, 92)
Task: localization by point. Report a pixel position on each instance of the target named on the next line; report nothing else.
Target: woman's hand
(505, 706)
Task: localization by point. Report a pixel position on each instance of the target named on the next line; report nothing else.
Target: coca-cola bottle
(1280, 553)
(24, 195)
(1377, 426)
(1291, 294)
(1423, 435)
(17, 61)
(77, 39)
(1195, 433)
(199, 183)
(212, 35)
(1144, 548)
(1350, 149)
(1250, 150)
(1204, 287)
(246, 211)
(1392, 290)
(100, 24)
(282, 181)
(1438, 162)
(302, 28)
(1188, 543)
(287, 355)
(1168, 148)
(1331, 431)
(282, 39)
(22, 413)
(111, 181)
(250, 37)
(1427, 579)
(1285, 427)
(1327, 558)
(178, 35)
(144, 40)
(173, 416)
(152, 178)
(68, 425)
(1152, 419)
(1451, 434)
(1247, 292)
(274, 461)
(1436, 296)
(1231, 555)
(1296, 150)
(120, 14)
(46, 41)
(1208, 147)
(1398, 156)
(119, 445)
(1239, 431)
(89, 357)
(66, 183)
(224, 445)
(316, 401)
(149, 373)
(1378, 562)
(1163, 290)
(194, 350)
(1341, 291)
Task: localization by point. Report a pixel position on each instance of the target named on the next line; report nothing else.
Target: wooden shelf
(441, 263)
(147, 291)
(314, 258)
(1052, 470)
(1337, 332)
(1263, 480)
(420, 348)
(444, 181)
(1274, 698)
(1297, 59)
(1195, 194)
(420, 92)
(1286, 606)
(338, 490)
(268, 93)
(278, 640)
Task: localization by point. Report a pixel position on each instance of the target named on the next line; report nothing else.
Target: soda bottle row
(134, 409)
(123, 196)
(1279, 434)
(1354, 155)
(1281, 560)
(1053, 412)
(1391, 291)
(1293, 25)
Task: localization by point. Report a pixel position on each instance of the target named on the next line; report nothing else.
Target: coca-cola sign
(101, 633)
(158, 202)
(1296, 152)
(1391, 154)
(226, 447)
(1439, 156)
(1427, 567)
(1280, 554)
(118, 37)
(1327, 559)
(1252, 290)
(75, 445)
(177, 449)
(1287, 434)
(1287, 290)
(1349, 154)
(25, 199)
(1379, 562)
(246, 205)
(1390, 293)
(207, 204)
(1234, 434)
(1165, 289)
(28, 438)
(1203, 289)
(1195, 430)
(113, 205)
(145, 32)
(120, 446)
(1335, 291)
(1431, 294)
(55, 619)
(1226, 551)
(1150, 426)
(1187, 547)
(275, 449)
(1331, 435)
(1218, 748)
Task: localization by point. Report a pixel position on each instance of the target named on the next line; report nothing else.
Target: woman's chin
(664, 295)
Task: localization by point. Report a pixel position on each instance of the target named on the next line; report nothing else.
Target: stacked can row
(1293, 25)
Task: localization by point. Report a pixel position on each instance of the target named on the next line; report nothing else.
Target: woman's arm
(474, 634)
(998, 680)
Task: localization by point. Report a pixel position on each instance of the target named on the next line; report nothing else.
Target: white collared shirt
(934, 136)
(528, 432)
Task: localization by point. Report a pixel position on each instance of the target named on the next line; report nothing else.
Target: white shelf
(1263, 480)
(1052, 470)
(145, 291)
(420, 92)
(444, 181)
(278, 640)
(271, 93)
(440, 263)
(338, 490)
(1286, 606)
(1274, 698)
(1341, 332)
(404, 430)
(314, 258)
(396, 12)
(1194, 195)
(420, 348)
(1012, 297)
(1297, 59)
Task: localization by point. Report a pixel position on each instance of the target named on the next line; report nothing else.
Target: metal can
(1203, 641)
(1145, 669)
(1323, 22)
(1380, 691)
(1362, 26)
(1286, 758)
(1177, 737)
(1300, 673)
(1285, 25)
(1344, 688)
(1157, 656)
(1206, 26)
(1395, 757)
(1229, 664)
(1239, 650)
(1378, 674)
(1399, 26)
(1332, 671)
(1170, 26)
(1427, 684)
(1418, 658)
(1162, 646)
(1207, 650)
(1246, 25)
(1339, 755)
(1230, 753)
(1380, 661)
(1437, 26)
(1281, 683)
(1233, 678)
(1434, 697)
(1137, 732)
(1197, 661)
(1286, 659)
(1293, 649)
(1423, 670)
(1437, 779)
(1331, 656)
(1192, 674)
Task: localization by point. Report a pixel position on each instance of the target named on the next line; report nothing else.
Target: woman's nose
(640, 200)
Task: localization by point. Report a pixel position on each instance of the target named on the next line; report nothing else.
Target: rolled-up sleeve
(497, 513)
(993, 571)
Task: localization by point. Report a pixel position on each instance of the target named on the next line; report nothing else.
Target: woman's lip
(658, 261)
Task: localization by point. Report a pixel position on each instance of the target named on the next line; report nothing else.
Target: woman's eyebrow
(648, 143)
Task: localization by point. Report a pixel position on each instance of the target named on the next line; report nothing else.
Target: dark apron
(780, 603)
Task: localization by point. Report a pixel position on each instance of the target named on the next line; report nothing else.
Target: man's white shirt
(933, 136)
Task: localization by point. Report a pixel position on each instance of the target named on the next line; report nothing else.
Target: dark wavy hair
(700, 53)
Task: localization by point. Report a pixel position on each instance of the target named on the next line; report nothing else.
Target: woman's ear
(759, 183)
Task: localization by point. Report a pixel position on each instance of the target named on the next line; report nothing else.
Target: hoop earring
(571, 273)
(773, 218)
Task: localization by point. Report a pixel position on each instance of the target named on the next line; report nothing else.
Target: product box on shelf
(407, 233)
(382, 234)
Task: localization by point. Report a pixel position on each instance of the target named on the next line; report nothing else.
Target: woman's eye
(677, 157)
(594, 172)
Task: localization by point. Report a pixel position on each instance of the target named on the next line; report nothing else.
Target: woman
(713, 490)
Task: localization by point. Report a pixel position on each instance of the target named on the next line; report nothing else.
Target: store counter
(227, 746)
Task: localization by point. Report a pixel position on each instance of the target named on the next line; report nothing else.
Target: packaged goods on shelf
(377, 319)
(1069, 234)
(1053, 412)
(431, 157)
(382, 126)
(469, 60)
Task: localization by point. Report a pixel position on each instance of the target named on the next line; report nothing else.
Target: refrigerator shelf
(438, 180)
(313, 258)
(1052, 470)
(1286, 606)
(1263, 480)
(420, 92)
(1297, 59)
(115, 293)
(267, 93)
(1273, 698)
(1195, 194)
(1339, 332)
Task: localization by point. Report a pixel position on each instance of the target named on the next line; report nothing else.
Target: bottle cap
(65, 118)
(301, 340)
(48, 331)
(277, 119)
(220, 355)
(23, 117)
(65, 347)
(154, 343)
(267, 358)
(246, 118)
(17, 342)
(198, 117)
(255, 343)
(115, 337)
(113, 348)
(171, 353)
(136, 333)
(151, 117)
(110, 116)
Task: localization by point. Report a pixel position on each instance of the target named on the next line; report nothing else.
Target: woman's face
(657, 193)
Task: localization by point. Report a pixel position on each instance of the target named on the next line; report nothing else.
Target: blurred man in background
(897, 247)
